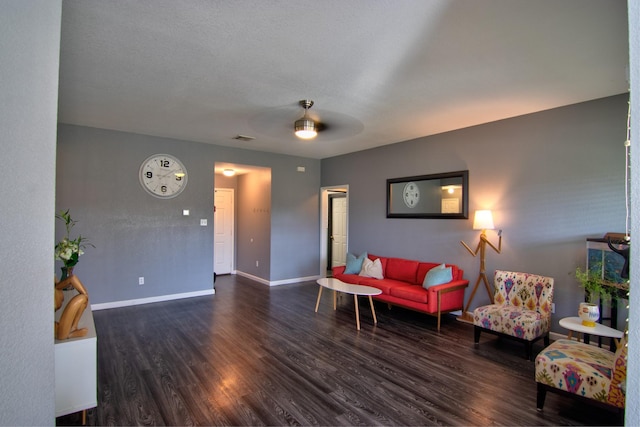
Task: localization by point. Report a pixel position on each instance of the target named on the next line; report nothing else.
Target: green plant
(594, 285)
(69, 250)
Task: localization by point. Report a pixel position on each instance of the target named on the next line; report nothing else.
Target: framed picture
(442, 195)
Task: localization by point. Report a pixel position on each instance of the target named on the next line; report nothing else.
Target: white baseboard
(127, 303)
(276, 282)
(252, 277)
(298, 280)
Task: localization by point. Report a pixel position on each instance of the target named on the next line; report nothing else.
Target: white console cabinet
(76, 367)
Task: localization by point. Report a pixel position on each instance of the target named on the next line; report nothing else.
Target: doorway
(223, 242)
(337, 231)
(334, 227)
(245, 185)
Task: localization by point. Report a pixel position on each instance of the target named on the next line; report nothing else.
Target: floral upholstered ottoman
(583, 370)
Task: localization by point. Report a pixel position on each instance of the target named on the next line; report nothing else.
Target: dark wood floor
(254, 355)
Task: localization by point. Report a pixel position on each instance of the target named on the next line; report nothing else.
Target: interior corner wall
(552, 179)
(30, 48)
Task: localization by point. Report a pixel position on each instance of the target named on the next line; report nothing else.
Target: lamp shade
(483, 220)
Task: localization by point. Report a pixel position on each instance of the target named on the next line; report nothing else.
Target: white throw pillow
(372, 268)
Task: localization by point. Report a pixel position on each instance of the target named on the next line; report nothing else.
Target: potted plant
(596, 288)
(68, 250)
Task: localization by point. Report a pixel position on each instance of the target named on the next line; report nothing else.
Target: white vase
(589, 313)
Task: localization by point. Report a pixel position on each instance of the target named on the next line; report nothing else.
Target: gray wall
(552, 179)
(29, 48)
(254, 223)
(137, 235)
(295, 216)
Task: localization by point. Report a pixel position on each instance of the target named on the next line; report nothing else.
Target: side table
(574, 324)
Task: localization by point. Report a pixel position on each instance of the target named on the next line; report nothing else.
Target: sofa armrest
(452, 286)
(448, 296)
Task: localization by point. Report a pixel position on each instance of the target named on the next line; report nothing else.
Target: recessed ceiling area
(239, 169)
(379, 72)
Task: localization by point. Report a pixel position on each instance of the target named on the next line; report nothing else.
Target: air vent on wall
(243, 138)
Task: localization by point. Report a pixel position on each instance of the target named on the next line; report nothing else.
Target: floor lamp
(483, 220)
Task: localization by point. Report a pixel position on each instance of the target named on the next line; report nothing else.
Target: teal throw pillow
(354, 264)
(437, 276)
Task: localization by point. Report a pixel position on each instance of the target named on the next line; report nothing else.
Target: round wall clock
(411, 194)
(163, 176)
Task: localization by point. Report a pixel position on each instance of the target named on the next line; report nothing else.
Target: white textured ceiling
(379, 71)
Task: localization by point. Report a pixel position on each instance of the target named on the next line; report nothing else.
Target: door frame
(324, 222)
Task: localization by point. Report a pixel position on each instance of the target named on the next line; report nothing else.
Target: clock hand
(169, 173)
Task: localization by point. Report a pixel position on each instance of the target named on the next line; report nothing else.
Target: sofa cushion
(385, 285)
(354, 264)
(354, 279)
(371, 269)
(511, 320)
(423, 269)
(412, 293)
(437, 276)
(402, 269)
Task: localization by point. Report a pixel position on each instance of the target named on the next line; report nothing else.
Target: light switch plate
(185, 212)
(203, 222)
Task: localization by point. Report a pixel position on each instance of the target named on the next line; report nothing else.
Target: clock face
(411, 194)
(163, 176)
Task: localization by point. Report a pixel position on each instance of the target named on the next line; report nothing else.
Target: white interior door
(338, 231)
(223, 231)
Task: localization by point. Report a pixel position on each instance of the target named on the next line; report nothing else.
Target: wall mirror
(441, 195)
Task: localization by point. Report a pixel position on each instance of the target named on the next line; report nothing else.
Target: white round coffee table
(339, 286)
(574, 324)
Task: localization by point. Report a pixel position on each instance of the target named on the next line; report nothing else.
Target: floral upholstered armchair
(583, 370)
(521, 309)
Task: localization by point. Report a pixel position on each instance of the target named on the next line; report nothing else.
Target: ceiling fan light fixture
(305, 128)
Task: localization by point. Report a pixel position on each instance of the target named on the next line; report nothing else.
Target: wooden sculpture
(482, 276)
(67, 326)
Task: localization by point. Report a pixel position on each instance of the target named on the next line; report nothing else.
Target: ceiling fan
(306, 128)
(284, 122)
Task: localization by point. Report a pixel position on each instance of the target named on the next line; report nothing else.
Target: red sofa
(402, 286)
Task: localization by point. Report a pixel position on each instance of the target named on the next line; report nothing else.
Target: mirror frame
(464, 214)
